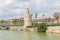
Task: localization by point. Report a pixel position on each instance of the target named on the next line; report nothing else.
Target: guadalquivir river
(17, 35)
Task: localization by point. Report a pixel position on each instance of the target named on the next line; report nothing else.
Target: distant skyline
(17, 8)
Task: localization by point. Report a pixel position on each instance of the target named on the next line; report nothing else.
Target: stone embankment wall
(53, 29)
(22, 29)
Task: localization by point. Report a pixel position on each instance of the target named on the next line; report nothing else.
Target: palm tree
(44, 19)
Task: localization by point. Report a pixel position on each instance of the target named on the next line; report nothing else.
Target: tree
(34, 25)
(36, 15)
(57, 16)
(18, 22)
(44, 18)
(42, 27)
(22, 22)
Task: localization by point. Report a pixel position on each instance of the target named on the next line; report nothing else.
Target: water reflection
(27, 35)
(53, 36)
(17, 35)
(42, 36)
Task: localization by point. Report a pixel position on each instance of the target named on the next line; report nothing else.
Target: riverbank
(22, 29)
(55, 29)
(50, 29)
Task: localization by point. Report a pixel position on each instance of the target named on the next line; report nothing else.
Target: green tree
(21, 22)
(18, 22)
(42, 27)
(34, 24)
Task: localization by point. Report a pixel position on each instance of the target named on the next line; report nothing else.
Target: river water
(19, 35)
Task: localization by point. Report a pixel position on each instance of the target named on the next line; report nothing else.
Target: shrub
(54, 25)
(42, 27)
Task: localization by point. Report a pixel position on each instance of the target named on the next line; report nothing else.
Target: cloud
(18, 7)
(7, 2)
(4, 3)
(18, 11)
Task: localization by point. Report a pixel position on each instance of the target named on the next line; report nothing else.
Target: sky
(17, 8)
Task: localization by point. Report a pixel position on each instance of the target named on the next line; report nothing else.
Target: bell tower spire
(27, 10)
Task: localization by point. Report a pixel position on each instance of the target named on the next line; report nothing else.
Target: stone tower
(27, 19)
